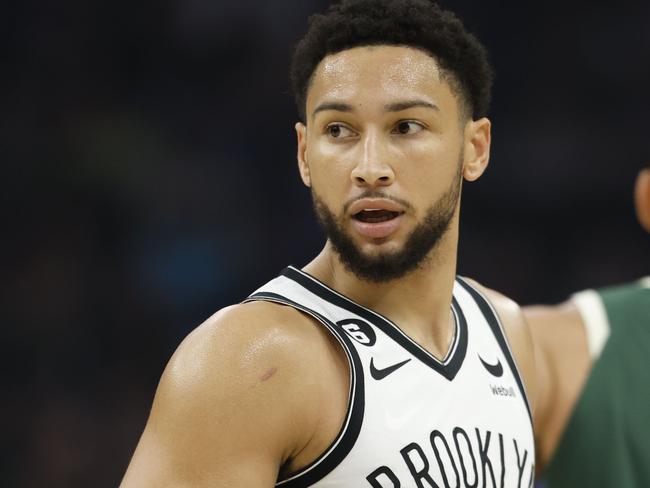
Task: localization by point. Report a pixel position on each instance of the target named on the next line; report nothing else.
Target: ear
(642, 198)
(477, 148)
(303, 167)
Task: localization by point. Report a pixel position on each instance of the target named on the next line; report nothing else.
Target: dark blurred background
(149, 178)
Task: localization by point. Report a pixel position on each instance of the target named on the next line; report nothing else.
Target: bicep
(545, 383)
(563, 364)
(170, 454)
(214, 421)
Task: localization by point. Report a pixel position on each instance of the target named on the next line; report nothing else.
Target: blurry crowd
(149, 179)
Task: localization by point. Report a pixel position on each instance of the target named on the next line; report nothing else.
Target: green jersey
(607, 440)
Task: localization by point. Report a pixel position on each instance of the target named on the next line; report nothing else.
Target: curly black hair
(421, 24)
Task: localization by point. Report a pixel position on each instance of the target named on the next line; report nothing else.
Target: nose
(372, 169)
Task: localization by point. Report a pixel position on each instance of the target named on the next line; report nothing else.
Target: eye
(338, 131)
(407, 127)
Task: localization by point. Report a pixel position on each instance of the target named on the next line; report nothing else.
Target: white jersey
(413, 420)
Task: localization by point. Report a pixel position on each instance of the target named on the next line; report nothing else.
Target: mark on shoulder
(253, 342)
(269, 372)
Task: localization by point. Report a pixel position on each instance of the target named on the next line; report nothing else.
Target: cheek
(328, 169)
(432, 166)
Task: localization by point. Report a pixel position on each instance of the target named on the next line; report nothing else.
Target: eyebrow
(339, 107)
(399, 106)
(391, 107)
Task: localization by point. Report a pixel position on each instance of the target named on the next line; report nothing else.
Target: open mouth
(370, 216)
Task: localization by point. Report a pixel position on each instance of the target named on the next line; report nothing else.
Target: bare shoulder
(242, 347)
(509, 311)
(246, 336)
(547, 320)
(517, 333)
(510, 314)
(229, 401)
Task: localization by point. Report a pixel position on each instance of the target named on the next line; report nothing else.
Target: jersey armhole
(494, 322)
(347, 436)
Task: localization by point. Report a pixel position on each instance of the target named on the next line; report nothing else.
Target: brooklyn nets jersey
(414, 420)
(607, 440)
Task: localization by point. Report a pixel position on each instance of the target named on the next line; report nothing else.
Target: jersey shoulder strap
(494, 322)
(285, 291)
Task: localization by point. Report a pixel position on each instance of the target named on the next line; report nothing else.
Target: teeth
(375, 215)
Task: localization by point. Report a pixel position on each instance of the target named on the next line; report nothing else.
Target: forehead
(380, 74)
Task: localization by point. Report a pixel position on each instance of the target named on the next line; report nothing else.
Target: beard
(387, 266)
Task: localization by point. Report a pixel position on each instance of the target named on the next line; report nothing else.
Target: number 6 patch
(359, 330)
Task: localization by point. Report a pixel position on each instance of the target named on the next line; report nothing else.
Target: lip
(375, 204)
(377, 230)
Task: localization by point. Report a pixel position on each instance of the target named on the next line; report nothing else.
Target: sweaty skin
(563, 357)
(219, 418)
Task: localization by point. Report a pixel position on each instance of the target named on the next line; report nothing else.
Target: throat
(439, 343)
(436, 338)
(419, 304)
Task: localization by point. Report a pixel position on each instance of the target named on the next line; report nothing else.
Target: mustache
(376, 194)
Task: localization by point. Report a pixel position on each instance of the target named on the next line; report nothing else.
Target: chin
(379, 248)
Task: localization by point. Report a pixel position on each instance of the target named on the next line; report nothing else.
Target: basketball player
(373, 365)
(599, 435)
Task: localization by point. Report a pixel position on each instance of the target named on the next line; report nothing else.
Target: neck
(419, 303)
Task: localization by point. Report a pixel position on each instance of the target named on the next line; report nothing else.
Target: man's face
(642, 198)
(383, 152)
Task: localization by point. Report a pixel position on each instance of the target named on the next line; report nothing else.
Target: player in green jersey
(597, 428)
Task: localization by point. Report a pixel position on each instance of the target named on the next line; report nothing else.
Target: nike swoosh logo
(493, 369)
(380, 374)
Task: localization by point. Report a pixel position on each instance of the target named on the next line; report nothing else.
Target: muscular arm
(229, 410)
(563, 364)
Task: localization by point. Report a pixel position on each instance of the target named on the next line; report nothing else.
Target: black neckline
(447, 368)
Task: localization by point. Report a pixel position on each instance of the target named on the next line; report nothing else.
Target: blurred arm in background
(593, 427)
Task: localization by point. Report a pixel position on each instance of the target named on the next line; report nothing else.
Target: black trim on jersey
(447, 369)
(347, 436)
(499, 333)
